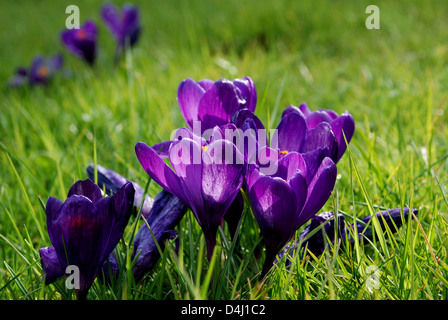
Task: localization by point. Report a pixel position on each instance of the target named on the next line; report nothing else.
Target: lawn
(393, 81)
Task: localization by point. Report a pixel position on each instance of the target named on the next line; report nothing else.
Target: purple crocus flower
(112, 181)
(393, 219)
(294, 133)
(214, 103)
(40, 71)
(84, 230)
(202, 178)
(340, 124)
(124, 25)
(287, 199)
(82, 42)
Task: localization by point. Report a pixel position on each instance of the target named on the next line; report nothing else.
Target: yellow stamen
(284, 151)
(205, 148)
(43, 71)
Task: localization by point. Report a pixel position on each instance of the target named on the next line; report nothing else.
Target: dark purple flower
(124, 25)
(288, 198)
(393, 219)
(207, 177)
(82, 42)
(111, 181)
(84, 230)
(340, 125)
(214, 103)
(40, 71)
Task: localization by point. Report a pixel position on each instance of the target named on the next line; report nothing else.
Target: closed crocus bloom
(207, 177)
(124, 25)
(214, 103)
(341, 125)
(84, 230)
(82, 42)
(287, 199)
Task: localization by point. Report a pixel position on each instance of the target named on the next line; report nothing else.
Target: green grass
(393, 81)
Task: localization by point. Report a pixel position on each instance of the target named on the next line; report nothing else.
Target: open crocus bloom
(340, 125)
(82, 42)
(84, 230)
(285, 200)
(296, 132)
(207, 176)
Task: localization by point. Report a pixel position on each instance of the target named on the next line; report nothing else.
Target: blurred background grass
(393, 81)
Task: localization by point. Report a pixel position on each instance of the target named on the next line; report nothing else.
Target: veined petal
(292, 132)
(320, 137)
(189, 94)
(85, 188)
(218, 104)
(344, 124)
(158, 170)
(50, 265)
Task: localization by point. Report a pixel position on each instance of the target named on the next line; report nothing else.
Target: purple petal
(320, 137)
(50, 265)
(313, 160)
(218, 104)
(111, 17)
(221, 183)
(274, 205)
(158, 170)
(189, 94)
(292, 133)
(240, 116)
(319, 190)
(111, 181)
(185, 157)
(162, 148)
(289, 165)
(86, 188)
(166, 213)
(344, 124)
(316, 117)
(248, 92)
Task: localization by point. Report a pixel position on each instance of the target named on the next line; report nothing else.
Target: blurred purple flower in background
(40, 71)
(82, 42)
(84, 230)
(124, 25)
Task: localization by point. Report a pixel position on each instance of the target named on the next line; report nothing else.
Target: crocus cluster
(223, 154)
(82, 42)
(302, 161)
